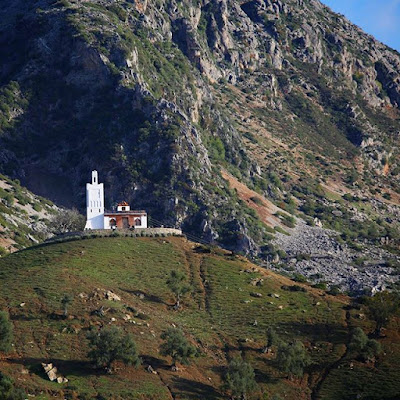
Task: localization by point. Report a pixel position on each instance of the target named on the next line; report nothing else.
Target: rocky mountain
(185, 107)
(24, 217)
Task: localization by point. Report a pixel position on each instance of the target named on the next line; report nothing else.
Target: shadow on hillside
(195, 390)
(334, 333)
(147, 297)
(262, 377)
(65, 367)
(22, 317)
(156, 363)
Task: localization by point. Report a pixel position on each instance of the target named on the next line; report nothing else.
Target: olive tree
(176, 282)
(67, 221)
(177, 347)
(239, 379)
(381, 308)
(8, 391)
(111, 344)
(272, 339)
(65, 302)
(292, 358)
(363, 347)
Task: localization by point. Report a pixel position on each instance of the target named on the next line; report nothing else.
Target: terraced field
(224, 315)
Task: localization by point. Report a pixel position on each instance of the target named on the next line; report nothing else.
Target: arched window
(113, 222)
(138, 222)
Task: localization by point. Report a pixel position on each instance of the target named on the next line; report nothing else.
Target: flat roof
(125, 212)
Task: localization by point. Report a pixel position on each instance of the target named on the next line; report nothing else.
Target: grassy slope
(217, 317)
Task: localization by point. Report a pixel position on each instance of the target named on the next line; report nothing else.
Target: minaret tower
(94, 203)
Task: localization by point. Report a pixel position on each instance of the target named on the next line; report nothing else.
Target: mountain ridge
(288, 97)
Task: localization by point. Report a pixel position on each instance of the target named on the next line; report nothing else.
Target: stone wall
(118, 232)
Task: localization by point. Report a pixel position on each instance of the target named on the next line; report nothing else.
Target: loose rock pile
(332, 262)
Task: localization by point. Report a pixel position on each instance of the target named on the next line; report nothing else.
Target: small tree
(239, 379)
(65, 302)
(6, 332)
(292, 358)
(358, 340)
(67, 221)
(109, 345)
(381, 308)
(272, 339)
(177, 284)
(364, 348)
(177, 347)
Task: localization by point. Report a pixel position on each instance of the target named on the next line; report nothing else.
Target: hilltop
(224, 315)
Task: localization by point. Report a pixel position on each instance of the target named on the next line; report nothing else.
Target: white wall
(143, 220)
(94, 203)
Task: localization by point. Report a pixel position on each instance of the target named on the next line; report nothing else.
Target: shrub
(334, 290)
(294, 288)
(320, 285)
(299, 278)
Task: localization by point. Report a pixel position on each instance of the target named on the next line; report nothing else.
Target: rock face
(158, 96)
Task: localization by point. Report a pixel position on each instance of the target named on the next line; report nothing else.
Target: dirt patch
(264, 208)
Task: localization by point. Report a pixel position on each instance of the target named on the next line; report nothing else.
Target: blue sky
(380, 18)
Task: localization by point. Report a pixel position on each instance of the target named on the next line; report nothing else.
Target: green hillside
(223, 316)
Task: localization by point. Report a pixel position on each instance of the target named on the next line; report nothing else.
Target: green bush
(299, 278)
(334, 290)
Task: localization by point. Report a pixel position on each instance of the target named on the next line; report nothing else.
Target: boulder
(151, 370)
(109, 295)
(51, 372)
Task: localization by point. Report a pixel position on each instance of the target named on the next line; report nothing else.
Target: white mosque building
(98, 218)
